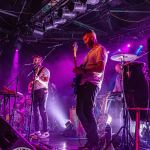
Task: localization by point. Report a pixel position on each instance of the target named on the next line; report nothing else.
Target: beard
(90, 43)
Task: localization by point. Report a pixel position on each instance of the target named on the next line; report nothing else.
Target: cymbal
(123, 57)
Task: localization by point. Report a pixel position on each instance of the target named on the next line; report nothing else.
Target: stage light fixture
(69, 130)
(59, 21)
(50, 27)
(38, 32)
(139, 50)
(66, 14)
(91, 2)
(77, 7)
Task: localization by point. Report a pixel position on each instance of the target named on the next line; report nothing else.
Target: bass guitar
(77, 79)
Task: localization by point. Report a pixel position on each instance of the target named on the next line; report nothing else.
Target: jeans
(39, 105)
(86, 95)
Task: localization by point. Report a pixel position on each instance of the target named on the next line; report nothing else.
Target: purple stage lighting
(119, 50)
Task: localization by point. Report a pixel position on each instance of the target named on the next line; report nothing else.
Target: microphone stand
(33, 87)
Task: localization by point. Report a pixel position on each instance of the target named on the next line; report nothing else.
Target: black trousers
(86, 95)
(39, 105)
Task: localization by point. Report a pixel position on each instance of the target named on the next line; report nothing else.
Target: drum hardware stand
(14, 106)
(16, 80)
(125, 128)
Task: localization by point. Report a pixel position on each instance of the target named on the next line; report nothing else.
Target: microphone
(28, 64)
(57, 45)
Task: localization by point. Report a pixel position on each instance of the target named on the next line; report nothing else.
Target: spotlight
(68, 124)
(59, 21)
(119, 50)
(66, 14)
(70, 130)
(91, 2)
(141, 46)
(77, 7)
(18, 44)
(109, 119)
(50, 27)
(38, 32)
(129, 45)
(139, 50)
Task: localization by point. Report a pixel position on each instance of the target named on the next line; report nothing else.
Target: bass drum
(136, 88)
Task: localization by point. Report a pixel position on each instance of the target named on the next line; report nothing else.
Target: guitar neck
(75, 61)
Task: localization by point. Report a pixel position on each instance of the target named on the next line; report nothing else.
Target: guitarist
(92, 73)
(39, 90)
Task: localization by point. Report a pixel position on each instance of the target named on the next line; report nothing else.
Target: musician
(118, 81)
(39, 90)
(115, 105)
(92, 73)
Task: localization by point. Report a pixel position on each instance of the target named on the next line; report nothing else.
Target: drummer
(115, 105)
(118, 82)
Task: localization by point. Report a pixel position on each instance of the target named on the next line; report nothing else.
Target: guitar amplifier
(11, 139)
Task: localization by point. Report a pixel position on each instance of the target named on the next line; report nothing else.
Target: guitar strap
(40, 71)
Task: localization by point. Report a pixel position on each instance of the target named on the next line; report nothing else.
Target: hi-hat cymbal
(124, 57)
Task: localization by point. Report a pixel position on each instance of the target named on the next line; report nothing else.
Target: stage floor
(61, 143)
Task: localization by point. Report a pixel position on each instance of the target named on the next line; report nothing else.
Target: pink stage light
(119, 50)
(129, 45)
(17, 50)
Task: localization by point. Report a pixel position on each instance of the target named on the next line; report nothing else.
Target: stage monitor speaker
(10, 139)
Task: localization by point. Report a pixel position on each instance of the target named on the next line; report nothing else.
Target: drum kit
(134, 93)
(135, 84)
(15, 109)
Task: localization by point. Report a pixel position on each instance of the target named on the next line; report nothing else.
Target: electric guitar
(77, 79)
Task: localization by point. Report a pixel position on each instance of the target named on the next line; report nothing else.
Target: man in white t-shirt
(39, 89)
(92, 74)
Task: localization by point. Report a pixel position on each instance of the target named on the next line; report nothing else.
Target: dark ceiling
(110, 19)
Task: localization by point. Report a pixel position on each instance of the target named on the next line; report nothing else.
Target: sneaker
(37, 133)
(44, 135)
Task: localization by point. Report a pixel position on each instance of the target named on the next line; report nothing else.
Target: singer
(39, 90)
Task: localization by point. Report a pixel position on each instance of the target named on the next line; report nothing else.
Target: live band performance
(74, 75)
